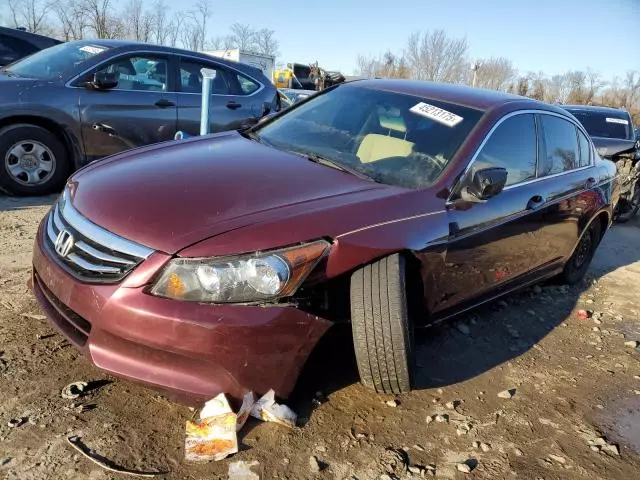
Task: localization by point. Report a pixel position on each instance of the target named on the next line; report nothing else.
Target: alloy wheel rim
(30, 162)
(584, 249)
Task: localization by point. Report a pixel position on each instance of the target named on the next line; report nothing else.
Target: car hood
(609, 147)
(172, 195)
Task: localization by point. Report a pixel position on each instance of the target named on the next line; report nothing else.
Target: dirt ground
(575, 413)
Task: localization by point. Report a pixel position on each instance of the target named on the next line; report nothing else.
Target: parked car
(611, 130)
(68, 105)
(296, 95)
(216, 263)
(16, 44)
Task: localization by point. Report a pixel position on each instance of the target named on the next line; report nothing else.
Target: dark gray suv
(68, 105)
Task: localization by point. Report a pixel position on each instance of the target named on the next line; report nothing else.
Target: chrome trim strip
(102, 255)
(91, 267)
(535, 180)
(50, 232)
(101, 236)
(513, 114)
(56, 218)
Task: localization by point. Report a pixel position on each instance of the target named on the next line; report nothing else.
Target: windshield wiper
(319, 159)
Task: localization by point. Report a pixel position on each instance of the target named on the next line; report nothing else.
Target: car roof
(125, 45)
(477, 98)
(596, 108)
(35, 39)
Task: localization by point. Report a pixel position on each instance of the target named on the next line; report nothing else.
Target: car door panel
(119, 119)
(227, 110)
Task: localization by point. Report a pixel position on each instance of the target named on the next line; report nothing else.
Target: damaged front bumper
(191, 351)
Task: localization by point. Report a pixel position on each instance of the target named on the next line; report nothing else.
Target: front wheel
(32, 160)
(382, 331)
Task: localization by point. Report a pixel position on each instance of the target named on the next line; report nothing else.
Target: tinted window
(394, 138)
(243, 85)
(54, 61)
(605, 124)
(140, 73)
(512, 146)
(585, 150)
(191, 78)
(11, 49)
(560, 145)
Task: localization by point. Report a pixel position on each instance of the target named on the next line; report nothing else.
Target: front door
(140, 110)
(496, 242)
(231, 105)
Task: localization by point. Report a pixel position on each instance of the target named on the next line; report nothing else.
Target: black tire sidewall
(11, 135)
(571, 274)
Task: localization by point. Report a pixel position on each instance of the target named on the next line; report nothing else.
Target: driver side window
(139, 73)
(512, 146)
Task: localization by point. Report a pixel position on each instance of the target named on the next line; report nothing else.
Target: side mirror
(104, 80)
(485, 183)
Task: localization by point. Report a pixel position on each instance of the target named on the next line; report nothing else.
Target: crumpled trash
(268, 410)
(214, 436)
(245, 410)
(585, 314)
(73, 390)
(241, 470)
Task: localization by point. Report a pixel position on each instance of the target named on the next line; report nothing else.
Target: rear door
(140, 110)
(233, 103)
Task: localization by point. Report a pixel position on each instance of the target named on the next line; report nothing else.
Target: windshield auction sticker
(617, 120)
(91, 49)
(438, 114)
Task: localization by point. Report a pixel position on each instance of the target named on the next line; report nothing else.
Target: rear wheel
(382, 331)
(578, 264)
(32, 160)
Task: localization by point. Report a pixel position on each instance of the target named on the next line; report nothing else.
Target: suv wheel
(32, 160)
(579, 262)
(382, 331)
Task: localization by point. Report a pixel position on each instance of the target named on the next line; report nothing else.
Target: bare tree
(434, 56)
(31, 14)
(242, 37)
(523, 86)
(495, 73)
(214, 43)
(102, 19)
(138, 24)
(190, 35)
(366, 66)
(174, 27)
(72, 18)
(265, 42)
(160, 22)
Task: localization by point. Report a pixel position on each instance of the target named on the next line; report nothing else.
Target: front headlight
(240, 279)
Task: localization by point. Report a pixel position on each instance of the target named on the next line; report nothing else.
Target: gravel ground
(522, 388)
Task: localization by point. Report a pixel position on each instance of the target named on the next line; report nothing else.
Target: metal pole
(207, 79)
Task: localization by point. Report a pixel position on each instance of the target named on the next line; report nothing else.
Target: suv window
(191, 78)
(512, 146)
(585, 150)
(139, 73)
(241, 85)
(12, 49)
(560, 145)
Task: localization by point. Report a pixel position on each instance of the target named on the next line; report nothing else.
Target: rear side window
(585, 150)
(560, 145)
(191, 78)
(242, 85)
(513, 147)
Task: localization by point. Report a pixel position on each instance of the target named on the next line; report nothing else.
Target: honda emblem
(64, 243)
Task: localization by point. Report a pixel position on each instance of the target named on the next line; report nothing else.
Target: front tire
(382, 331)
(578, 264)
(32, 160)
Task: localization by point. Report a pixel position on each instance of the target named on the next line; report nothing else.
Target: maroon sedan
(215, 264)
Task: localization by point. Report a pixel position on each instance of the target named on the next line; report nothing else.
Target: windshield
(395, 139)
(53, 62)
(604, 124)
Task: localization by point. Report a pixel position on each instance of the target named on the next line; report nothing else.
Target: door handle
(101, 127)
(590, 183)
(233, 105)
(164, 103)
(535, 202)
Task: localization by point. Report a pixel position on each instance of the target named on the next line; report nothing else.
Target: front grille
(87, 251)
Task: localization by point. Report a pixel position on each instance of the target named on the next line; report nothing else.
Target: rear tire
(32, 160)
(382, 331)
(578, 264)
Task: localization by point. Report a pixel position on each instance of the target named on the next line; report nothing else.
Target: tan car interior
(392, 143)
